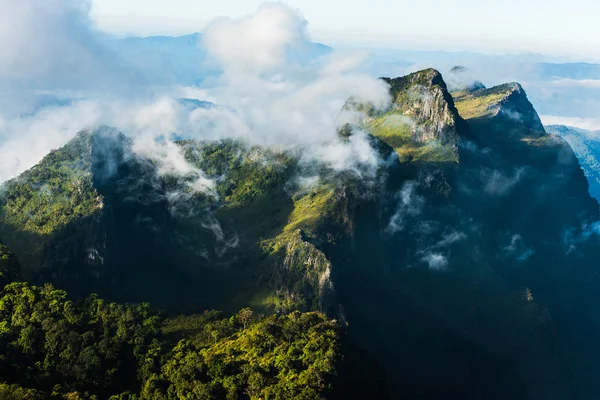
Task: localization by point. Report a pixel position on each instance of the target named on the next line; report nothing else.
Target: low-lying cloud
(435, 261)
(576, 122)
(266, 94)
(410, 205)
(517, 249)
(584, 83)
(497, 183)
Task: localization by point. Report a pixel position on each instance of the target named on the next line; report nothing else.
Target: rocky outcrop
(424, 98)
(500, 113)
(422, 123)
(309, 269)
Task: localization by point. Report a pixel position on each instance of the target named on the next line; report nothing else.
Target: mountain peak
(422, 123)
(508, 107)
(428, 77)
(460, 78)
(459, 69)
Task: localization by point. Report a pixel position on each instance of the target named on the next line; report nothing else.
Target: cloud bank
(58, 76)
(576, 122)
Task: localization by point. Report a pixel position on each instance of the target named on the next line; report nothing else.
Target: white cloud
(579, 83)
(435, 261)
(582, 123)
(410, 204)
(450, 239)
(50, 44)
(258, 42)
(277, 99)
(266, 95)
(498, 184)
(171, 161)
(517, 248)
(25, 141)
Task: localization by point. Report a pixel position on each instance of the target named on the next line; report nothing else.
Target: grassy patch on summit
(477, 104)
(396, 131)
(309, 209)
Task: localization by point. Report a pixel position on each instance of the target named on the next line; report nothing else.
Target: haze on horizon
(553, 27)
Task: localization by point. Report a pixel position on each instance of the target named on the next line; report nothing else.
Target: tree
(245, 316)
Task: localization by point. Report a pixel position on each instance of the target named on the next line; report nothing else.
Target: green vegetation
(478, 104)
(52, 347)
(54, 193)
(397, 131)
(300, 270)
(62, 214)
(244, 173)
(9, 266)
(464, 276)
(50, 343)
(420, 125)
(311, 208)
(272, 223)
(16, 392)
(279, 357)
(483, 103)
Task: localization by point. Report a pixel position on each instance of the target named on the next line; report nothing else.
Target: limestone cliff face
(423, 97)
(516, 106)
(310, 269)
(422, 123)
(302, 269)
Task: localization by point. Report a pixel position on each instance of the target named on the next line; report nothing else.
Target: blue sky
(556, 27)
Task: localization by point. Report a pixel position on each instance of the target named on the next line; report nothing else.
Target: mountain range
(558, 87)
(464, 266)
(586, 145)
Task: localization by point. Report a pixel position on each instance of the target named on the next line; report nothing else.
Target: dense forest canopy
(53, 347)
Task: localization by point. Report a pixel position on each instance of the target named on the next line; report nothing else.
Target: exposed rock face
(303, 262)
(422, 123)
(498, 242)
(424, 98)
(500, 113)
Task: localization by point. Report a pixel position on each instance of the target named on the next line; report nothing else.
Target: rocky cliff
(501, 112)
(422, 123)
